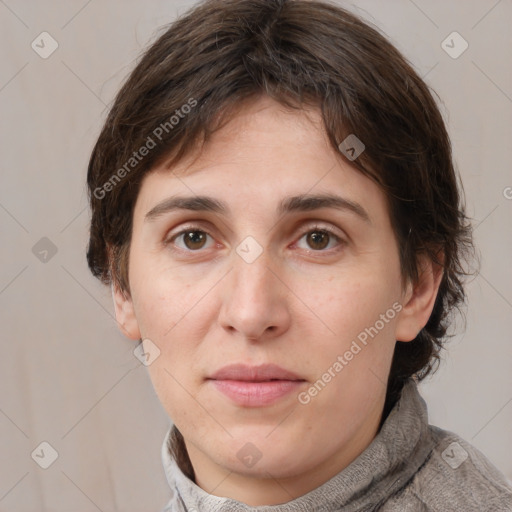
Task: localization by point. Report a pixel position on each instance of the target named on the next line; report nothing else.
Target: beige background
(68, 376)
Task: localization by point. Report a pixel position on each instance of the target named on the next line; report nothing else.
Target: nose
(255, 300)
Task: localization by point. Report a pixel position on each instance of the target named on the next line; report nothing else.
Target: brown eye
(190, 240)
(318, 240)
(194, 239)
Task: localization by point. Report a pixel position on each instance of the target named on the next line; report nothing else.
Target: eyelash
(312, 229)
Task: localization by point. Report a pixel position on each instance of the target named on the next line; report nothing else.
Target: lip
(261, 373)
(255, 386)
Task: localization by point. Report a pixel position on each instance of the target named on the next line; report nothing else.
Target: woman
(275, 206)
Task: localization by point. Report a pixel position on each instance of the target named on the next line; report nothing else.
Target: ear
(419, 299)
(125, 313)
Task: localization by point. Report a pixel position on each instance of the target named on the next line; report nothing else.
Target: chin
(268, 466)
(259, 457)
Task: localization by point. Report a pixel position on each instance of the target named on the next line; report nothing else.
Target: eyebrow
(300, 203)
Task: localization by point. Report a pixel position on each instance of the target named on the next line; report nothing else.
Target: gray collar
(386, 465)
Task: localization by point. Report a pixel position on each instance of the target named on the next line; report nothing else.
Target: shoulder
(455, 477)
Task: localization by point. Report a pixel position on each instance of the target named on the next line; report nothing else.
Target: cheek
(174, 311)
(349, 365)
(164, 297)
(172, 391)
(358, 315)
(350, 303)
(171, 321)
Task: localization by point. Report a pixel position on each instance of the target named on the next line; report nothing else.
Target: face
(251, 277)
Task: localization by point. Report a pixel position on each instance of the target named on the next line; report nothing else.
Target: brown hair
(299, 52)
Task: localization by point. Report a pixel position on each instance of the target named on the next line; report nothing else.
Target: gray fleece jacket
(409, 466)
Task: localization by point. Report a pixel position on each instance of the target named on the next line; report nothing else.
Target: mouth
(255, 386)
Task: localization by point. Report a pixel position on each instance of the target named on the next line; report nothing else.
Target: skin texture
(300, 304)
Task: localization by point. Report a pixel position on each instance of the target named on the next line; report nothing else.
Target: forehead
(264, 153)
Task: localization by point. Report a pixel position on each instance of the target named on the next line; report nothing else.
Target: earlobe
(419, 300)
(125, 313)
